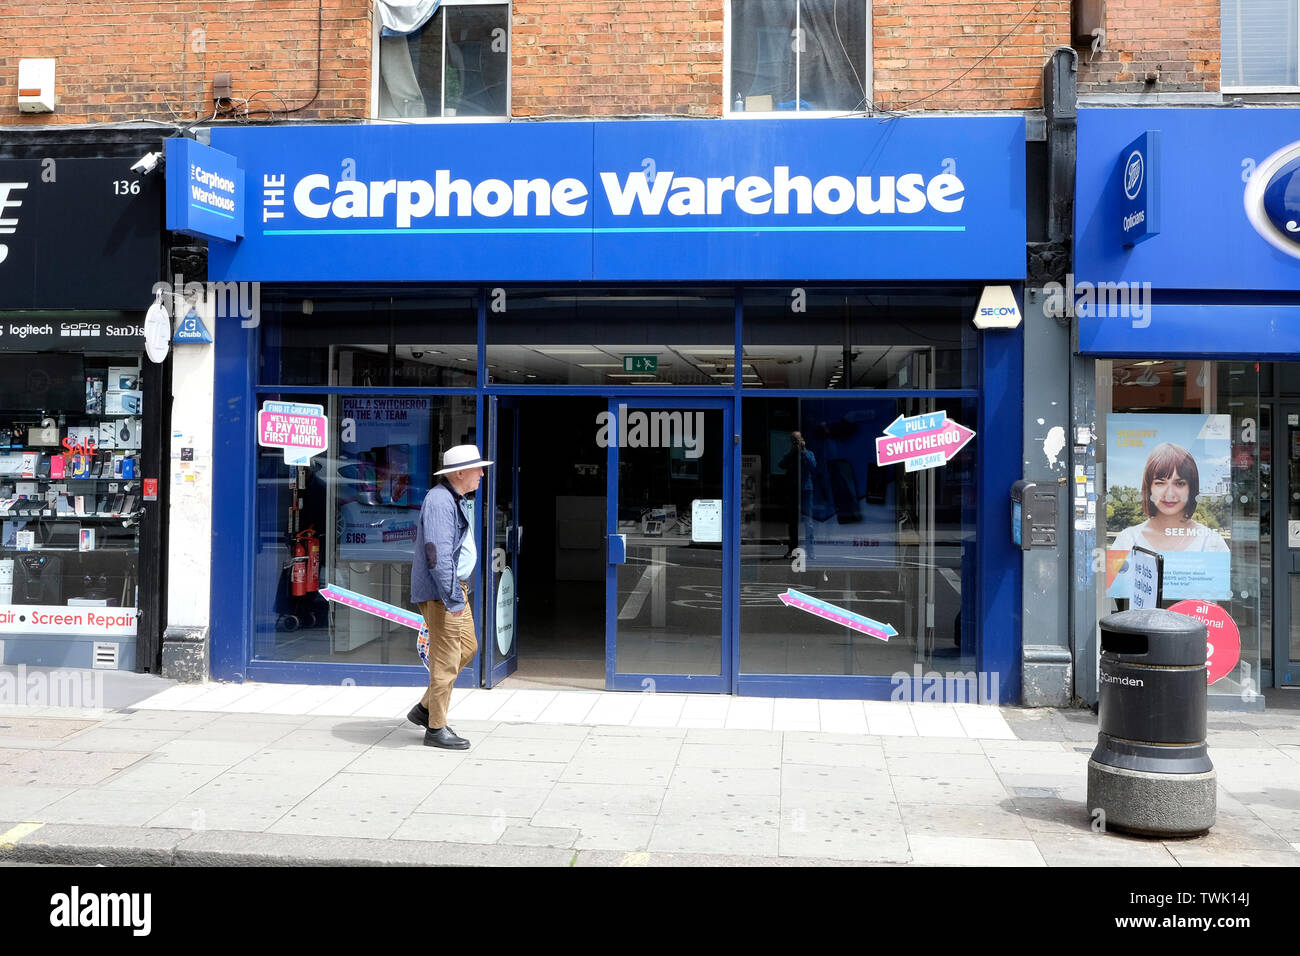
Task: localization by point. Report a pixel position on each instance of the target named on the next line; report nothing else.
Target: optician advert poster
(1169, 489)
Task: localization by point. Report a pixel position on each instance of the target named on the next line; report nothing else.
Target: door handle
(617, 549)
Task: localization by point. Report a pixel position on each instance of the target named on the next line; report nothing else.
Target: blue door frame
(497, 666)
(723, 682)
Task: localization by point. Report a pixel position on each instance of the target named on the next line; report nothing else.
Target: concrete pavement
(185, 776)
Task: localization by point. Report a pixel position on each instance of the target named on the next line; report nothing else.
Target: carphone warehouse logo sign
(1272, 199)
(666, 194)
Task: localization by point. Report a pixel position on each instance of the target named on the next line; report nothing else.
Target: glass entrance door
(669, 581)
(1286, 489)
(500, 648)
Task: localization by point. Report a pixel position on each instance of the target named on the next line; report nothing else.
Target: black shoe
(444, 738)
(419, 716)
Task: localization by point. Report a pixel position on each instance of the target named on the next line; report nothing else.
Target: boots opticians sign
(821, 199)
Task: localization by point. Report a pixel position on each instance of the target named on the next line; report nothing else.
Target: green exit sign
(640, 363)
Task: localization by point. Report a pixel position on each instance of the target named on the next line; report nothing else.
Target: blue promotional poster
(1168, 489)
(385, 471)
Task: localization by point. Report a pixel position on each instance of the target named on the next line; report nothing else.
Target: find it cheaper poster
(1168, 486)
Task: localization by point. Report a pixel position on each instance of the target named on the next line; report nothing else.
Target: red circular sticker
(1222, 639)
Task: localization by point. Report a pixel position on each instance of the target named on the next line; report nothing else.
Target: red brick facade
(1175, 42)
(155, 59)
(943, 55)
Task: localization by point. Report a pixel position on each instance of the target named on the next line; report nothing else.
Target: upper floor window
(457, 63)
(1260, 40)
(798, 55)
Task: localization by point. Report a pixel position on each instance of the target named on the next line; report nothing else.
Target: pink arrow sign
(837, 615)
(948, 440)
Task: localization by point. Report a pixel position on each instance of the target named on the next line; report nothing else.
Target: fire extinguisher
(313, 559)
(298, 571)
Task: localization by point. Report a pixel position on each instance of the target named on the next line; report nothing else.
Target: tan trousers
(451, 646)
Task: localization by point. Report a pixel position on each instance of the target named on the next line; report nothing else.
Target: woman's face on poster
(1169, 495)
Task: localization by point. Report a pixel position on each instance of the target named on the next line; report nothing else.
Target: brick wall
(607, 57)
(154, 59)
(922, 46)
(1177, 40)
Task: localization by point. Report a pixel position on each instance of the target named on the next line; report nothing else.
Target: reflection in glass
(880, 338)
(624, 338)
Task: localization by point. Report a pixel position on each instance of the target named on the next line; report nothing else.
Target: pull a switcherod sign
(1273, 199)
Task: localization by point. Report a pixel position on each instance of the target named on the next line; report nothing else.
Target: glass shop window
(457, 64)
(1178, 472)
(371, 342)
(829, 338)
(348, 518)
(825, 526)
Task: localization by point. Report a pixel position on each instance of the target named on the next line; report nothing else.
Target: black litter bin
(1150, 772)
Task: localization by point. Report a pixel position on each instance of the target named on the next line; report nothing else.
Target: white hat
(460, 457)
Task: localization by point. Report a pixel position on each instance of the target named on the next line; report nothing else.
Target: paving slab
(427, 762)
(456, 827)
(41, 728)
(973, 851)
(735, 756)
(616, 798)
(283, 849)
(485, 801)
(104, 739)
(27, 802)
(620, 747)
(740, 837)
(859, 780)
(1101, 850)
(644, 772)
(834, 755)
(545, 749)
(529, 835)
(983, 822)
(474, 772)
(951, 766)
(903, 746)
(964, 791)
(319, 764)
(176, 778)
(129, 808)
(51, 768)
(557, 731)
(600, 830)
(689, 806)
(728, 780)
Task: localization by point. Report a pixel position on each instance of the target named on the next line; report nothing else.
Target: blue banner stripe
(210, 210)
(602, 230)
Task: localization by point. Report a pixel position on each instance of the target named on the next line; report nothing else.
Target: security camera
(147, 163)
(416, 355)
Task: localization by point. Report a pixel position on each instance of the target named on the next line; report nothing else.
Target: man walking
(441, 567)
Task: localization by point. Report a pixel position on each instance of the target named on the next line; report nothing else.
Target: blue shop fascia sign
(205, 191)
(1213, 270)
(850, 199)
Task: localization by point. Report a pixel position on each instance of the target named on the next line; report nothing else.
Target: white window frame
(728, 98)
(374, 69)
(1224, 88)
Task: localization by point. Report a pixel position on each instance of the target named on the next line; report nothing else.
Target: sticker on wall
(1222, 639)
(837, 615)
(922, 441)
(505, 616)
(300, 429)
